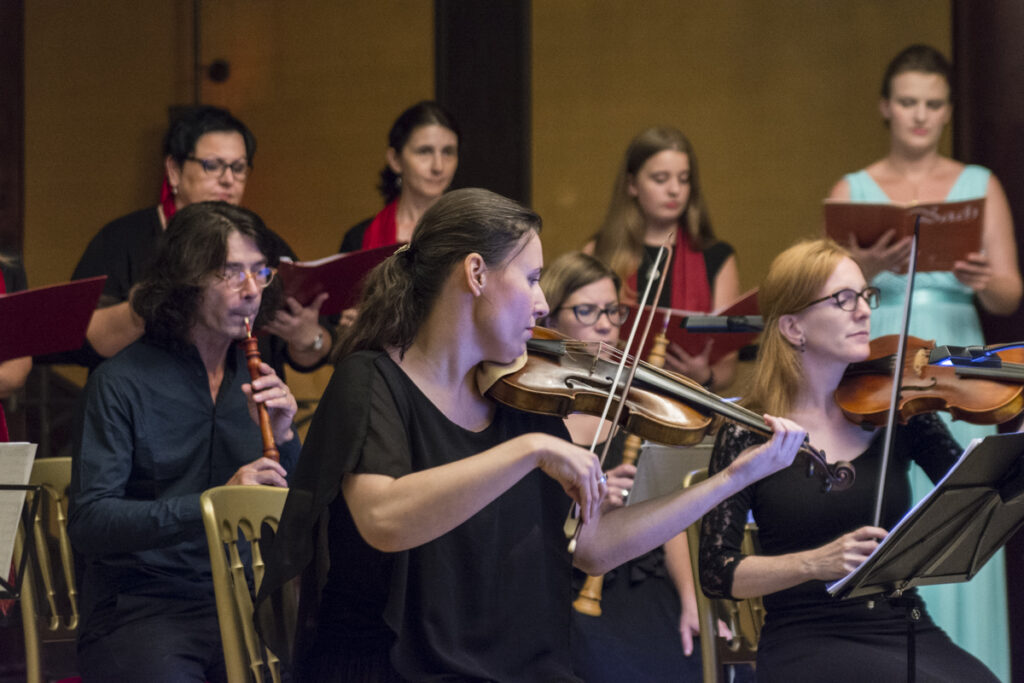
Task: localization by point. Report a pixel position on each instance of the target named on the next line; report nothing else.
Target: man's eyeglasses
(236, 277)
(589, 314)
(217, 167)
(846, 299)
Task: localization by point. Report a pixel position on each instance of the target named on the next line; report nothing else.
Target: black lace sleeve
(931, 445)
(721, 532)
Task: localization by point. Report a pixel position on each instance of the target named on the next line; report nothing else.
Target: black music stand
(952, 532)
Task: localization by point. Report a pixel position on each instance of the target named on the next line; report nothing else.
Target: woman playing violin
(916, 105)
(648, 605)
(429, 517)
(817, 309)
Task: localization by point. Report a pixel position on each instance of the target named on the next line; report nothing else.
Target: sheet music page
(835, 586)
(15, 468)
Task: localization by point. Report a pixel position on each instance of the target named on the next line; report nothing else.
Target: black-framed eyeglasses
(846, 299)
(589, 314)
(217, 167)
(236, 277)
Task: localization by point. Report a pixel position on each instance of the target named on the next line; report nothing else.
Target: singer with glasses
(817, 320)
(208, 156)
(916, 105)
(648, 605)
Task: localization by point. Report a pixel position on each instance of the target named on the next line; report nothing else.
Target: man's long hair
(192, 250)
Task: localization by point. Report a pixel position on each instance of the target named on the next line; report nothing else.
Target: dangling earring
(802, 346)
(174, 190)
(398, 182)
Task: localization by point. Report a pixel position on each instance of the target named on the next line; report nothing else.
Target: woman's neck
(658, 234)
(913, 164)
(815, 403)
(443, 365)
(411, 208)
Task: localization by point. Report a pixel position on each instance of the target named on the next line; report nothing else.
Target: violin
(563, 376)
(980, 395)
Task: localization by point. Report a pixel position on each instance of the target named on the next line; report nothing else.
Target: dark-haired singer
(170, 416)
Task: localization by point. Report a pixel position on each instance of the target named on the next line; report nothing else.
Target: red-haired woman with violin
(817, 310)
(428, 517)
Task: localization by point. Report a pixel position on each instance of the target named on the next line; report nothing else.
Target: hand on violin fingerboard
(778, 452)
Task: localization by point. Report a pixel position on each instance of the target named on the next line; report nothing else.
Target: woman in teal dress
(916, 107)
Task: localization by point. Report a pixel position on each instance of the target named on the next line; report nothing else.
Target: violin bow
(901, 352)
(664, 254)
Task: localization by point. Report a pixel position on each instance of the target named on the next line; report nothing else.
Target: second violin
(976, 395)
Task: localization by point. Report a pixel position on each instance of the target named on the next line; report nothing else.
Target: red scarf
(167, 199)
(690, 288)
(383, 230)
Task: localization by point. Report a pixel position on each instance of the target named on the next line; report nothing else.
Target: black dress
(488, 600)
(809, 635)
(637, 637)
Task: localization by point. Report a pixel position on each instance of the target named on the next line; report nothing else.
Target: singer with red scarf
(208, 156)
(657, 200)
(422, 156)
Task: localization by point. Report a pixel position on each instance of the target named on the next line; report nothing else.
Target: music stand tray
(953, 531)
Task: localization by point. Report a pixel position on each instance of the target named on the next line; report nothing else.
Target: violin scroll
(837, 476)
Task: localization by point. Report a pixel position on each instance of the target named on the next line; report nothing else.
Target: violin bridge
(920, 361)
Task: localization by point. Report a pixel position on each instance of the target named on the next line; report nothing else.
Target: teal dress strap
(972, 184)
(863, 188)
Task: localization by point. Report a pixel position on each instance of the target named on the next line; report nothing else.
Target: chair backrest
(230, 511)
(49, 601)
(743, 617)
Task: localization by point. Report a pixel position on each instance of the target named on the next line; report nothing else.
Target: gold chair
(228, 511)
(743, 617)
(49, 601)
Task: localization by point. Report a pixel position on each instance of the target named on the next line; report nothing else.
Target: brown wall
(319, 83)
(778, 98)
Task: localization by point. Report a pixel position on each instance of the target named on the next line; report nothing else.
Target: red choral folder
(47, 319)
(693, 342)
(340, 275)
(949, 230)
